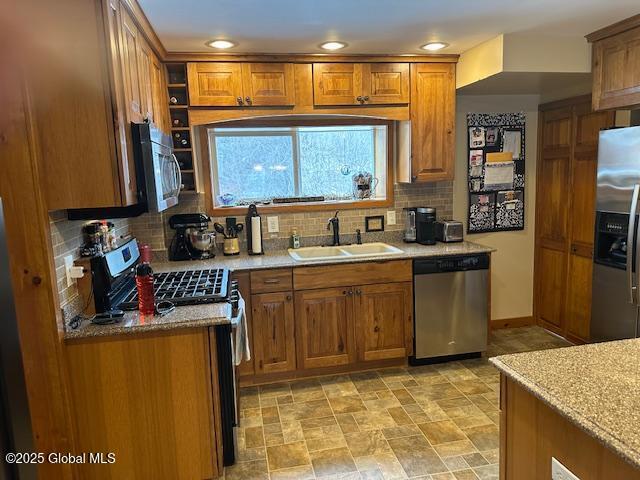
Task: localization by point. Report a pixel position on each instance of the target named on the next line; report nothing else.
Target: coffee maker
(426, 225)
(192, 240)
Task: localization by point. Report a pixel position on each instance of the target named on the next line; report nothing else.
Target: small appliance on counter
(364, 185)
(254, 231)
(192, 240)
(449, 231)
(426, 225)
(409, 225)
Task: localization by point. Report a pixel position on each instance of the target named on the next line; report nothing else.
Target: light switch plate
(560, 472)
(68, 263)
(273, 225)
(391, 217)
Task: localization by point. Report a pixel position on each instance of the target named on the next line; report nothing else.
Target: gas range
(189, 287)
(114, 285)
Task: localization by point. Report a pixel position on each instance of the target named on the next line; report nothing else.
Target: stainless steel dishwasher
(450, 307)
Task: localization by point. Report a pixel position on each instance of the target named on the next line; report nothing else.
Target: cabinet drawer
(265, 281)
(353, 274)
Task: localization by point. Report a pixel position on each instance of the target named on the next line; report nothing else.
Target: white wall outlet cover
(68, 265)
(273, 225)
(560, 472)
(391, 217)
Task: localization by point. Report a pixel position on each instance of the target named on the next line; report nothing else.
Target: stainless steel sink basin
(377, 249)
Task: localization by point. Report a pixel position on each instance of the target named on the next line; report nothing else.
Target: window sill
(302, 207)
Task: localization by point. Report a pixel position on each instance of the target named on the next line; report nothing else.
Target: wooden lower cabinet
(531, 433)
(148, 398)
(325, 327)
(384, 313)
(273, 332)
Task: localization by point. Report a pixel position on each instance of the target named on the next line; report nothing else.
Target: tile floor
(435, 422)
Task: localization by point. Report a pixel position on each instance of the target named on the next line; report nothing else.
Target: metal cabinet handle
(239, 100)
(631, 243)
(178, 173)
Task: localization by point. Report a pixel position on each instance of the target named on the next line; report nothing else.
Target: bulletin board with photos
(496, 173)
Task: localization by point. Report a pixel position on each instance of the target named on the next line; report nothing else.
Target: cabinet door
(433, 106)
(160, 98)
(129, 50)
(582, 195)
(215, 84)
(337, 83)
(324, 320)
(273, 332)
(145, 67)
(385, 83)
(616, 71)
(552, 206)
(268, 84)
(383, 315)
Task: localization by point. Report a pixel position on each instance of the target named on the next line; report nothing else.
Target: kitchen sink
(377, 249)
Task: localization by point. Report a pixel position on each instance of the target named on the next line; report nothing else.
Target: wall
(512, 264)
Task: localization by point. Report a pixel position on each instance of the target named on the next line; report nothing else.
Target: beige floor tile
(310, 423)
(492, 456)
(307, 390)
(304, 472)
(363, 444)
(347, 423)
(271, 439)
(253, 437)
(292, 431)
(442, 432)
(251, 454)
(373, 420)
(403, 396)
(305, 410)
(475, 460)
(256, 470)
(324, 438)
(473, 421)
(416, 456)
(453, 449)
(455, 463)
(443, 476)
(472, 387)
(485, 437)
(275, 390)
(400, 416)
(332, 462)
(402, 431)
(487, 472)
(287, 456)
(367, 382)
(347, 404)
(465, 475)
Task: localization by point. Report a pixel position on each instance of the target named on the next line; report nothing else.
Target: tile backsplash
(153, 228)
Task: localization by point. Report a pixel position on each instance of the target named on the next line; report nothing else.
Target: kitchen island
(580, 405)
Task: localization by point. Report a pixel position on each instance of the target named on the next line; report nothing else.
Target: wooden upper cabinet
(229, 84)
(215, 84)
(337, 83)
(130, 51)
(360, 83)
(268, 84)
(324, 318)
(384, 315)
(433, 105)
(160, 97)
(616, 69)
(385, 83)
(273, 332)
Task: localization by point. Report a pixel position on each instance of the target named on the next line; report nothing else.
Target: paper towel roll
(256, 235)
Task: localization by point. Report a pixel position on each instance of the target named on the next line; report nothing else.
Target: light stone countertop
(282, 259)
(596, 386)
(220, 313)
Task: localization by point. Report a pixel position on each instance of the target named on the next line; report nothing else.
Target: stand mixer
(192, 240)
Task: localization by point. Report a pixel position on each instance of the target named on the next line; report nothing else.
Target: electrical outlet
(391, 217)
(68, 265)
(560, 472)
(273, 225)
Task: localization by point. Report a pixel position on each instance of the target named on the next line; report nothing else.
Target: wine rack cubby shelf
(180, 128)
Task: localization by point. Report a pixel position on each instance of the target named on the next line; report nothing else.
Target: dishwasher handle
(457, 263)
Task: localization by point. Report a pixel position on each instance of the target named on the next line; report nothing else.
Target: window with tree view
(298, 163)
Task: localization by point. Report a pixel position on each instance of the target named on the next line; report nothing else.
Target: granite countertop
(596, 386)
(282, 259)
(188, 316)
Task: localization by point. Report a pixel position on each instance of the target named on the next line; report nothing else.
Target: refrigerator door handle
(631, 244)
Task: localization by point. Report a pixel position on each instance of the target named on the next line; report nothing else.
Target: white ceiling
(370, 26)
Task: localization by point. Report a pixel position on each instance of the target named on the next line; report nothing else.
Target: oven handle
(631, 244)
(178, 173)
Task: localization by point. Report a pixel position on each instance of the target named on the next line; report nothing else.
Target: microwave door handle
(631, 244)
(179, 174)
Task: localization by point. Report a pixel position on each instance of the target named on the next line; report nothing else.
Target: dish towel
(242, 351)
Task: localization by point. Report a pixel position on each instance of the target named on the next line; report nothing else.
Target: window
(287, 164)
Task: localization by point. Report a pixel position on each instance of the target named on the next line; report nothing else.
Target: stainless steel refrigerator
(616, 268)
(15, 424)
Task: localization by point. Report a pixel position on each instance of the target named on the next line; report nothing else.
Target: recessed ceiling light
(332, 45)
(433, 46)
(221, 44)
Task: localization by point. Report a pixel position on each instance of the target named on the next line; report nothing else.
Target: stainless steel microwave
(157, 169)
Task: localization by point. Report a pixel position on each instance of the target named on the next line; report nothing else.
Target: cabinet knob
(239, 100)
(358, 292)
(289, 298)
(350, 292)
(359, 98)
(365, 98)
(376, 329)
(247, 100)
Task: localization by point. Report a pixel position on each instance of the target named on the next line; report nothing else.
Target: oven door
(167, 179)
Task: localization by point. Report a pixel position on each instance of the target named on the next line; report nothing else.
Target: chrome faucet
(335, 223)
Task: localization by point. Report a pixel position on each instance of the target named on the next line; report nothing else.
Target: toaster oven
(449, 231)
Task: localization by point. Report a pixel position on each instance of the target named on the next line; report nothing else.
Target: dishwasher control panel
(460, 263)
